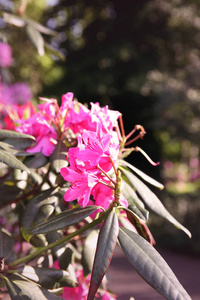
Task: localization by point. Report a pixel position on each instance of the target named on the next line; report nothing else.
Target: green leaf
(151, 266)
(135, 204)
(64, 219)
(42, 28)
(142, 175)
(13, 19)
(25, 289)
(104, 252)
(55, 52)
(151, 199)
(11, 161)
(18, 143)
(9, 192)
(36, 161)
(37, 210)
(13, 134)
(36, 38)
(88, 252)
(6, 243)
(58, 157)
(5, 146)
(48, 278)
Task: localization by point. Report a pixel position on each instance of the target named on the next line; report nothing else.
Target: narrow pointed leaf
(26, 289)
(34, 208)
(36, 38)
(9, 193)
(135, 204)
(142, 175)
(13, 19)
(88, 252)
(64, 219)
(58, 157)
(48, 278)
(105, 249)
(151, 266)
(11, 161)
(6, 243)
(13, 134)
(152, 200)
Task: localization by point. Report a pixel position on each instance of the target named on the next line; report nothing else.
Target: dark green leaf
(88, 252)
(135, 204)
(58, 157)
(151, 199)
(64, 219)
(143, 175)
(151, 266)
(105, 249)
(34, 210)
(25, 289)
(6, 243)
(13, 134)
(55, 52)
(18, 143)
(36, 38)
(9, 193)
(5, 146)
(48, 278)
(36, 161)
(11, 161)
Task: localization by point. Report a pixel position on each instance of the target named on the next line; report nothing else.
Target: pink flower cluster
(93, 152)
(81, 291)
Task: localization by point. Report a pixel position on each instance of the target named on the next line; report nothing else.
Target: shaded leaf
(9, 193)
(11, 161)
(58, 157)
(22, 288)
(151, 266)
(64, 219)
(6, 243)
(36, 38)
(55, 52)
(142, 174)
(18, 143)
(48, 278)
(34, 208)
(12, 150)
(152, 200)
(36, 161)
(104, 252)
(88, 252)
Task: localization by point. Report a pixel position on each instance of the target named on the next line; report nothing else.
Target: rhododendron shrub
(72, 195)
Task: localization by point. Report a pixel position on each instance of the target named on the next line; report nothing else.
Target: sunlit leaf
(142, 174)
(11, 161)
(48, 278)
(88, 252)
(105, 249)
(42, 28)
(36, 38)
(13, 134)
(152, 200)
(13, 19)
(58, 157)
(151, 266)
(135, 204)
(21, 288)
(64, 219)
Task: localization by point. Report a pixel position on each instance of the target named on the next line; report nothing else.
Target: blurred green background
(140, 57)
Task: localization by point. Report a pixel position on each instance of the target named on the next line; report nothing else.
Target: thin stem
(113, 165)
(59, 242)
(146, 156)
(122, 126)
(106, 184)
(106, 175)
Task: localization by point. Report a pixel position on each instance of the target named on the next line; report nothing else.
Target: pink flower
(81, 185)
(17, 93)
(44, 133)
(108, 296)
(5, 55)
(81, 291)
